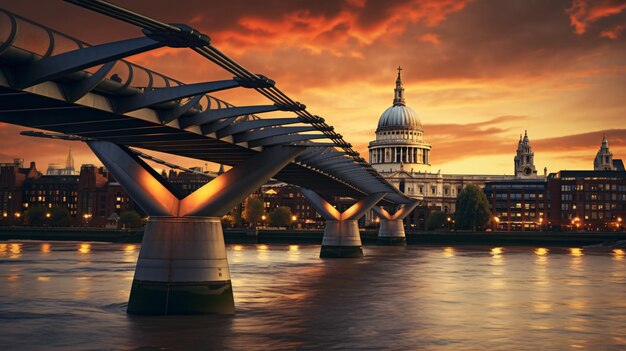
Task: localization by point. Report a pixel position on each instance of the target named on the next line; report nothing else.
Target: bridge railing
(19, 32)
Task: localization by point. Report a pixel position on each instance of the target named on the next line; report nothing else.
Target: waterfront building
(587, 200)
(13, 176)
(401, 154)
(518, 204)
(188, 182)
(277, 194)
(91, 196)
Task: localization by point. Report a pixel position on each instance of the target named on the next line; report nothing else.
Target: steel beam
(57, 66)
(75, 91)
(161, 95)
(217, 114)
(269, 132)
(285, 139)
(244, 126)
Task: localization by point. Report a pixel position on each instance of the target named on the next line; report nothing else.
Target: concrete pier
(341, 232)
(182, 268)
(391, 230)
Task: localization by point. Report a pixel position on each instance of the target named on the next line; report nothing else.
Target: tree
(228, 220)
(60, 216)
(435, 220)
(130, 219)
(36, 216)
(253, 211)
(472, 209)
(280, 217)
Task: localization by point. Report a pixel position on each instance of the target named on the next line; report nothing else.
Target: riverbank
(368, 237)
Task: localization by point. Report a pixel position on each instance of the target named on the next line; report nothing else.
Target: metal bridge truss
(89, 91)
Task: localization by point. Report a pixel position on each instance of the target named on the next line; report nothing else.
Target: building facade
(401, 154)
(587, 200)
(91, 197)
(518, 204)
(278, 194)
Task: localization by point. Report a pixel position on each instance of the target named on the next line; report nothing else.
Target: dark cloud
(461, 52)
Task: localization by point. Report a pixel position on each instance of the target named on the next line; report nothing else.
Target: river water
(72, 296)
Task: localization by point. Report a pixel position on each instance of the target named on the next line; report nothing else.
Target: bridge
(71, 90)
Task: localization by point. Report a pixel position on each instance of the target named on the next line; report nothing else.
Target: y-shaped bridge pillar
(182, 266)
(341, 233)
(391, 230)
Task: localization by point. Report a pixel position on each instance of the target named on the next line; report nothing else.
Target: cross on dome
(398, 98)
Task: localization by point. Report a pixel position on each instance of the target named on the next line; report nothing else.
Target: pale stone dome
(399, 144)
(399, 117)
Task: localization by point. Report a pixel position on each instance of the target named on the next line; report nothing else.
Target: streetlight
(86, 218)
(263, 220)
(497, 221)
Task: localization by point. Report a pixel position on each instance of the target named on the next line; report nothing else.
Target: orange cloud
(337, 33)
(430, 38)
(614, 32)
(582, 13)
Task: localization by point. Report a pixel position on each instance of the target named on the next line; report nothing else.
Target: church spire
(605, 143)
(69, 162)
(398, 98)
(525, 136)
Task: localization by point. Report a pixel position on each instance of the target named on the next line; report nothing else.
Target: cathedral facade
(401, 154)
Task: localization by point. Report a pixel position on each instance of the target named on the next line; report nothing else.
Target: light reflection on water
(73, 296)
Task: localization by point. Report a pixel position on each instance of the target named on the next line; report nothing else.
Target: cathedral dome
(399, 117)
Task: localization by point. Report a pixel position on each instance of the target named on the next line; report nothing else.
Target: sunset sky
(478, 73)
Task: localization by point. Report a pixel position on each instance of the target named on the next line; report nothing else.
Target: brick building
(518, 204)
(587, 200)
(91, 197)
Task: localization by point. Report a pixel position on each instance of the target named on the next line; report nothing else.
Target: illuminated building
(278, 194)
(90, 197)
(587, 200)
(518, 204)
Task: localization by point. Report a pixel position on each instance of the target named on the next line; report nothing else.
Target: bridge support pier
(182, 266)
(391, 231)
(341, 233)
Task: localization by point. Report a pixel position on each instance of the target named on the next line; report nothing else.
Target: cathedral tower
(604, 157)
(524, 159)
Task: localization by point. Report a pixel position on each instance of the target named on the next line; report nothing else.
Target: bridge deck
(46, 106)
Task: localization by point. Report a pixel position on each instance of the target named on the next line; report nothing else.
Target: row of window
(600, 206)
(50, 192)
(594, 197)
(593, 187)
(530, 196)
(540, 186)
(519, 214)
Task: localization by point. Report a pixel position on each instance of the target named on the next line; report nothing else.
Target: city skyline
(553, 69)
